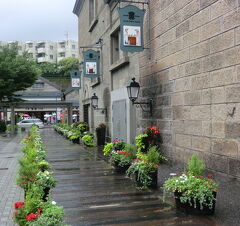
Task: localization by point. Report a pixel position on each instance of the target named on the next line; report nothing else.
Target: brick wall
(194, 77)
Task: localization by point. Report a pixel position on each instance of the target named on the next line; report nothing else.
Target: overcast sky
(33, 20)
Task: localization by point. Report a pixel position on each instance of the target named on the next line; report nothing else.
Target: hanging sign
(75, 79)
(91, 63)
(131, 27)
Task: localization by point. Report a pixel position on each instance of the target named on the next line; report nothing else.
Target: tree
(17, 72)
(48, 68)
(68, 64)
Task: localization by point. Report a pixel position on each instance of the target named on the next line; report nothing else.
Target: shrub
(88, 140)
(195, 166)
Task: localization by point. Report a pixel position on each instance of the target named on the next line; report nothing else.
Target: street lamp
(94, 103)
(133, 92)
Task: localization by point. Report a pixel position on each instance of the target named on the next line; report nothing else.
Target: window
(38, 85)
(115, 54)
(41, 55)
(19, 47)
(51, 57)
(92, 11)
(30, 45)
(62, 45)
(73, 47)
(73, 55)
(41, 45)
(62, 54)
(51, 47)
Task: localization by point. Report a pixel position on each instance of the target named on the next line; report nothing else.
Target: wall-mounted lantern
(133, 92)
(94, 103)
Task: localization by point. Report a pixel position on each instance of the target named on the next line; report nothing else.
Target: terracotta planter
(187, 208)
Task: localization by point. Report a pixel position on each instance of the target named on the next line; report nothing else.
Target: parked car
(26, 123)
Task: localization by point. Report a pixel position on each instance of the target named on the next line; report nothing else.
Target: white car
(27, 123)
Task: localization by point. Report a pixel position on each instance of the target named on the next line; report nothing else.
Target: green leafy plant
(141, 140)
(45, 179)
(88, 140)
(118, 145)
(43, 165)
(107, 149)
(192, 189)
(195, 166)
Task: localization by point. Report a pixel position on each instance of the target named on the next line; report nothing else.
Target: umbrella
(26, 115)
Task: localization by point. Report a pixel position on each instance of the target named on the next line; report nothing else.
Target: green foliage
(17, 72)
(52, 215)
(195, 166)
(193, 189)
(88, 140)
(68, 64)
(45, 179)
(108, 149)
(2, 126)
(120, 145)
(43, 165)
(48, 68)
(141, 142)
(83, 127)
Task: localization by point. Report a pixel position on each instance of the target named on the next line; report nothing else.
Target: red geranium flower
(31, 216)
(18, 204)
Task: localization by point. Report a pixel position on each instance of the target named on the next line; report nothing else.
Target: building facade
(47, 51)
(190, 68)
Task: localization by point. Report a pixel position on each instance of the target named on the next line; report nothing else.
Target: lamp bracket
(101, 109)
(149, 103)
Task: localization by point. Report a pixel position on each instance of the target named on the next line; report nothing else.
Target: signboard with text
(75, 79)
(91, 63)
(131, 27)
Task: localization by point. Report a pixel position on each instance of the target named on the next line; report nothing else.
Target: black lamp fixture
(94, 102)
(133, 92)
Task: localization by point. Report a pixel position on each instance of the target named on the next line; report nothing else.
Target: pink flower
(18, 204)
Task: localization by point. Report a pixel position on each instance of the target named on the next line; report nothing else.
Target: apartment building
(47, 51)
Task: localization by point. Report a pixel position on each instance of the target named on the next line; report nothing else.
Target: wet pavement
(93, 194)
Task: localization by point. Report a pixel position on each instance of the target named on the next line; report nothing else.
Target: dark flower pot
(120, 169)
(101, 134)
(187, 208)
(75, 141)
(45, 193)
(153, 184)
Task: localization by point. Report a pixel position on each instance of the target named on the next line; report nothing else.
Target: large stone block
(231, 20)
(222, 41)
(191, 9)
(199, 19)
(192, 98)
(177, 99)
(163, 101)
(232, 130)
(218, 129)
(217, 163)
(181, 112)
(201, 143)
(200, 81)
(178, 126)
(213, 62)
(225, 147)
(200, 50)
(166, 138)
(234, 167)
(211, 29)
(182, 28)
(219, 112)
(175, 46)
(206, 3)
(233, 93)
(221, 7)
(232, 56)
(218, 95)
(182, 84)
(183, 140)
(206, 128)
(200, 112)
(167, 113)
(193, 67)
(192, 127)
(206, 96)
(222, 77)
(237, 35)
(191, 38)
(175, 19)
(164, 125)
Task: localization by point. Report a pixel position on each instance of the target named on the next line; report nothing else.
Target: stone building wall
(194, 77)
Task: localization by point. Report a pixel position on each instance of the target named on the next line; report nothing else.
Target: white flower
(47, 177)
(46, 172)
(177, 180)
(54, 203)
(173, 174)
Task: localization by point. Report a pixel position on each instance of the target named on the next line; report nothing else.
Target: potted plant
(144, 169)
(122, 159)
(194, 193)
(101, 134)
(87, 140)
